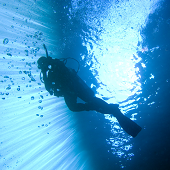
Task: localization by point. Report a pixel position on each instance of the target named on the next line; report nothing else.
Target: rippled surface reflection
(113, 40)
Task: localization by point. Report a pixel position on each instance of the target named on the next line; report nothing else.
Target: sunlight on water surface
(112, 42)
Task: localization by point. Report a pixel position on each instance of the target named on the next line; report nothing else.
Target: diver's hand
(58, 93)
(50, 91)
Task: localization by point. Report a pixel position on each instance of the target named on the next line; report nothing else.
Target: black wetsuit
(62, 81)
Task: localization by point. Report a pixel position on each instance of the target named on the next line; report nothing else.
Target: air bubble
(9, 54)
(8, 88)
(39, 107)
(5, 41)
(41, 96)
(6, 76)
(18, 88)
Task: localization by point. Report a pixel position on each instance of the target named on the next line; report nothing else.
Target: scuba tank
(71, 81)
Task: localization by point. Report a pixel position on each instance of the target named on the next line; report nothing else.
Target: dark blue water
(150, 148)
(123, 49)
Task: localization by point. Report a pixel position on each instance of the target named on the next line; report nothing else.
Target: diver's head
(43, 63)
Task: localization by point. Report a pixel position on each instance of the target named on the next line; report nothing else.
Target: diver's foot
(114, 110)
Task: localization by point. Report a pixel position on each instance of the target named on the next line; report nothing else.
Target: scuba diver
(64, 82)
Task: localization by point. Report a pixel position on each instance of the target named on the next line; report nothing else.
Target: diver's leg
(71, 102)
(101, 106)
(94, 103)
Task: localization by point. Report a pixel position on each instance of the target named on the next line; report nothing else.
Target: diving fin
(128, 125)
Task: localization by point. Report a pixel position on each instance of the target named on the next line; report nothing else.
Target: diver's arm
(48, 83)
(44, 76)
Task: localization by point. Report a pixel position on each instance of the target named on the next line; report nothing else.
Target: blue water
(123, 49)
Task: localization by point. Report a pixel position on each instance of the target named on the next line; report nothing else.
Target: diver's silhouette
(64, 82)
